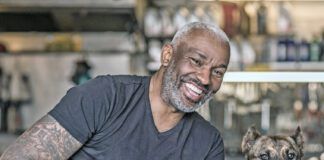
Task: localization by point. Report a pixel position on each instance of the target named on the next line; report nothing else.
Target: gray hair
(213, 30)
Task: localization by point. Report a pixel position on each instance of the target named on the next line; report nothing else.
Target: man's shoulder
(111, 80)
(128, 79)
(200, 123)
(108, 84)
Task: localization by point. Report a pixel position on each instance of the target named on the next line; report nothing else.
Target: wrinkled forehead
(201, 38)
(205, 33)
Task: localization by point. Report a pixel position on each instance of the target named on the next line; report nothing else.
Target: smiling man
(139, 118)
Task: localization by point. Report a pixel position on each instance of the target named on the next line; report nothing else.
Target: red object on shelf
(231, 18)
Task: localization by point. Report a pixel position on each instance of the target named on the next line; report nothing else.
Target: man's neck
(165, 116)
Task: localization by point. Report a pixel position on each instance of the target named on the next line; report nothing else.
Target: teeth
(194, 88)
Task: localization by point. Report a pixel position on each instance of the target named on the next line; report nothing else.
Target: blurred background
(275, 79)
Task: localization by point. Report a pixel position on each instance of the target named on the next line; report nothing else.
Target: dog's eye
(291, 155)
(264, 157)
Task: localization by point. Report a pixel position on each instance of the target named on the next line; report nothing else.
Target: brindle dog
(272, 147)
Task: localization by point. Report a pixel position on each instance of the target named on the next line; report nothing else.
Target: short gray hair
(213, 30)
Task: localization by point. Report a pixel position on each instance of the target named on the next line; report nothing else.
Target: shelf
(275, 77)
(67, 16)
(64, 53)
(270, 76)
(281, 66)
(300, 66)
(74, 3)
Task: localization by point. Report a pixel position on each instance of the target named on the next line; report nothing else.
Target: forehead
(204, 42)
(204, 34)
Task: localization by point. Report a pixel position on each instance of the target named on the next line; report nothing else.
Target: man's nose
(204, 76)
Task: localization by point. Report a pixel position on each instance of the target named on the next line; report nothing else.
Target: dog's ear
(298, 138)
(249, 139)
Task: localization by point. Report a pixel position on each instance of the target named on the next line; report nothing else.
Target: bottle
(282, 50)
(315, 49)
(322, 47)
(262, 19)
(168, 27)
(180, 17)
(284, 19)
(247, 51)
(236, 58)
(231, 22)
(244, 21)
(153, 24)
(291, 50)
(303, 50)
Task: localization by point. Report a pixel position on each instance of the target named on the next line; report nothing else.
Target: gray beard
(170, 92)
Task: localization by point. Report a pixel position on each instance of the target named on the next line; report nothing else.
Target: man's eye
(264, 157)
(218, 73)
(291, 155)
(195, 61)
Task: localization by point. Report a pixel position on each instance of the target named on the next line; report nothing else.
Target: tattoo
(46, 139)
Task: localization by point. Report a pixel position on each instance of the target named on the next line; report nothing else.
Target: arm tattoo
(46, 139)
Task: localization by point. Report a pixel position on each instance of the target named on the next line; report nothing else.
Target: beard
(170, 91)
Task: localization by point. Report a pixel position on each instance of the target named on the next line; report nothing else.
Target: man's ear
(166, 54)
(249, 139)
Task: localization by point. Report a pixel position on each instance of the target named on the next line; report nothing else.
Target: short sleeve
(85, 108)
(217, 150)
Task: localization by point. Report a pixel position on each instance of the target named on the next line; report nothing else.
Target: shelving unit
(269, 90)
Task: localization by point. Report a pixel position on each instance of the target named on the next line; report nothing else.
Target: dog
(272, 147)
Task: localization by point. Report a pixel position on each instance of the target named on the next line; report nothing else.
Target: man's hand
(46, 139)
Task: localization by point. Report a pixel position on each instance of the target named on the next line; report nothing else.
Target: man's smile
(193, 92)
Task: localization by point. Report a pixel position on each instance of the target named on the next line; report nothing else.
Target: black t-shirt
(111, 116)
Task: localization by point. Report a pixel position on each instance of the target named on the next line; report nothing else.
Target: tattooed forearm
(46, 139)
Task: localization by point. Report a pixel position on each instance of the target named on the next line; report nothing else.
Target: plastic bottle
(262, 19)
(284, 19)
(322, 48)
(315, 49)
(244, 21)
(291, 50)
(282, 50)
(303, 50)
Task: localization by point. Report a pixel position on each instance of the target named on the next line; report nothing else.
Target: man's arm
(46, 139)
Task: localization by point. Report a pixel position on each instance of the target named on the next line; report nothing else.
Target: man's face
(195, 72)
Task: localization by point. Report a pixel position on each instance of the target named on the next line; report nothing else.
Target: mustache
(206, 88)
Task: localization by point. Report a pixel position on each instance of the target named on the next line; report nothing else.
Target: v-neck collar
(150, 114)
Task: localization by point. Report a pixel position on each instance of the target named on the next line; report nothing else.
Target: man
(139, 118)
